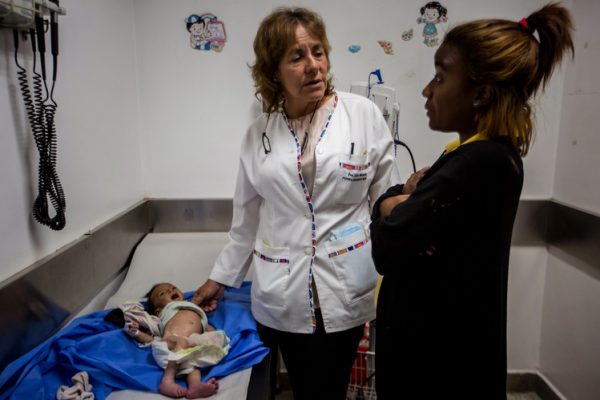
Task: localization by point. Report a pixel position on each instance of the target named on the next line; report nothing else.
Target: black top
(441, 314)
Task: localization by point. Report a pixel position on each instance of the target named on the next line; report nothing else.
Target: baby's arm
(133, 329)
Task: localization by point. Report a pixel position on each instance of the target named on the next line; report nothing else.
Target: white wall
(570, 351)
(526, 278)
(570, 345)
(196, 105)
(578, 158)
(98, 136)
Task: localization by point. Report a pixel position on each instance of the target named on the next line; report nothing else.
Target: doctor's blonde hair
(275, 34)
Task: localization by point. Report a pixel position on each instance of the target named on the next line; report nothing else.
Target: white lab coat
(271, 218)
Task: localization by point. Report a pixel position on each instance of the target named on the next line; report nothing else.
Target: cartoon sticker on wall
(407, 35)
(386, 46)
(207, 32)
(432, 14)
(354, 48)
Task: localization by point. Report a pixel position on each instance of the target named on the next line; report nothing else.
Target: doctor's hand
(207, 295)
(411, 183)
(387, 205)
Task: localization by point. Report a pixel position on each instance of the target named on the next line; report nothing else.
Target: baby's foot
(200, 389)
(172, 389)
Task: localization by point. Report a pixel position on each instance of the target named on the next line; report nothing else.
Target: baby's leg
(168, 386)
(197, 388)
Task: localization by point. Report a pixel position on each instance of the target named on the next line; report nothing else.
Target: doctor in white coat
(311, 166)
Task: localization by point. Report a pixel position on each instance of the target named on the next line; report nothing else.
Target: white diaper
(205, 349)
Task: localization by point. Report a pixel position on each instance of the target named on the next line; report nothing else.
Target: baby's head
(162, 294)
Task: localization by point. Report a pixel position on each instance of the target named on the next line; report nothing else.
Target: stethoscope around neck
(266, 142)
(265, 139)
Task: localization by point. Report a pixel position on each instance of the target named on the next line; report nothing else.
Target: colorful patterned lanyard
(310, 205)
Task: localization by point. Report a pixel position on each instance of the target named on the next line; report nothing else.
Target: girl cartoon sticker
(206, 32)
(432, 13)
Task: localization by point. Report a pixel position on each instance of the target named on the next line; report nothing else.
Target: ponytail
(553, 25)
(507, 56)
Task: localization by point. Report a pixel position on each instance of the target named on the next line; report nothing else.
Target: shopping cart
(362, 377)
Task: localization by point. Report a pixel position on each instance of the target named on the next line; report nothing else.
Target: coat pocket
(350, 257)
(354, 175)
(271, 274)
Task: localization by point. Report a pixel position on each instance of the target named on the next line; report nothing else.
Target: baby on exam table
(187, 342)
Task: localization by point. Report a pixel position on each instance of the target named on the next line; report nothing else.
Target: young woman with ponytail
(442, 240)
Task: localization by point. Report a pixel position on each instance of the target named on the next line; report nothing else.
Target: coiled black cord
(41, 114)
(49, 183)
(24, 83)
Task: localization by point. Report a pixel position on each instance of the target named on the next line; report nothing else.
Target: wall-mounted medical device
(385, 99)
(383, 96)
(21, 13)
(30, 20)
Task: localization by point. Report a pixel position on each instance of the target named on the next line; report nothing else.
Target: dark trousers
(318, 364)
